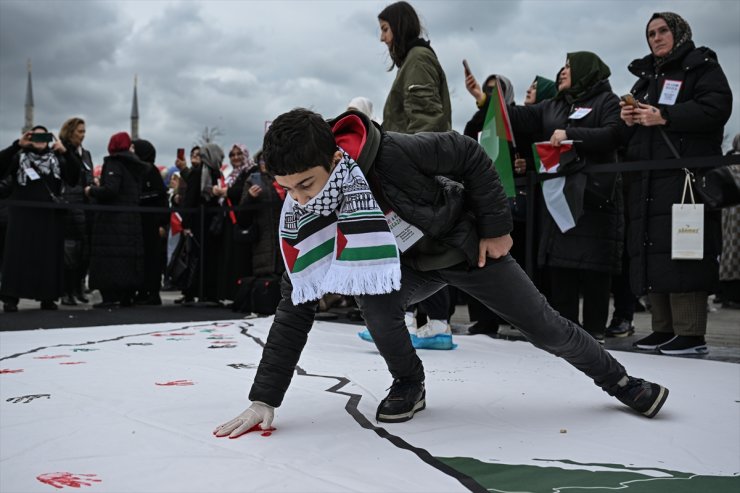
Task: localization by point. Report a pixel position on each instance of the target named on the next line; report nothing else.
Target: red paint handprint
(173, 383)
(62, 479)
(5, 370)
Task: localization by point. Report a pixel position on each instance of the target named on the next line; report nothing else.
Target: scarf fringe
(349, 280)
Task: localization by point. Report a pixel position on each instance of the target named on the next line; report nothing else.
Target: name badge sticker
(31, 174)
(406, 234)
(670, 91)
(579, 113)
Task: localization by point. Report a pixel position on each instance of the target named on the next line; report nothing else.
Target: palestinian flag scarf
(339, 242)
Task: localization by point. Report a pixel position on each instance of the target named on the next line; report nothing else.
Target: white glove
(257, 413)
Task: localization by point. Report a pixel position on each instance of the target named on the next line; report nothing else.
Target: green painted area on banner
(550, 479)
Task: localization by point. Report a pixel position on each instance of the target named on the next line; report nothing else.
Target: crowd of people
(123, 249)
(619, 244)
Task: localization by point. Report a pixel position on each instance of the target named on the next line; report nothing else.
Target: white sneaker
(433, 328)
(410, 321)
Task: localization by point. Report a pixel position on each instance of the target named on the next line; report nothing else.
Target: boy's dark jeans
(501, 285)
(504, 288)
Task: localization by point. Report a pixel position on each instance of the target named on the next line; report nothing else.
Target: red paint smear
(3, 371)
(175, 383)
(61, 479)
(73, 363)
(265, 433)
(52, 357)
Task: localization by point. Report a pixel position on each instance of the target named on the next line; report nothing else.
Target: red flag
(175, 223)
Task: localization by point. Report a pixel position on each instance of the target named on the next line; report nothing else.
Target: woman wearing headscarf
(200, 193)
(33, 259)
(419, 101)
(117, 245)
(487, 322)
(234, 259)
(683, 101)
(581, 259)
(153, 225)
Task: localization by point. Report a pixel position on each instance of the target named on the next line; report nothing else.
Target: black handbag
(184, 262)
(719, 187)
(244, 235)
(716, 187)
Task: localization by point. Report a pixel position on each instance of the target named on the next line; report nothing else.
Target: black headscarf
(586, 70)
(546, 88)
(679, 28)
(145, 151)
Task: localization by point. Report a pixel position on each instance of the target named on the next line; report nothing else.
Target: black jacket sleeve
(285, 342)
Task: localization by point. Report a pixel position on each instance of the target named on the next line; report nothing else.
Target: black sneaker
(10, 307)
(644, 397)
(404, 399)
(49, 305)
(620, 328)
(684, 345)
(598, 336)
(653, 341)
(488, 328)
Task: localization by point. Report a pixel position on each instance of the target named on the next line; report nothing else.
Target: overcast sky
(236, 64)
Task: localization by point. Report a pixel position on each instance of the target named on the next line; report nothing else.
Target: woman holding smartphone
(33, 262)
(682, 101)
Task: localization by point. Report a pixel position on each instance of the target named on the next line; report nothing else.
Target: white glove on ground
(257, 413)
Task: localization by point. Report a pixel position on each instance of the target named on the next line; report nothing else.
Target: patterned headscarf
(248, 165)
(678, 26)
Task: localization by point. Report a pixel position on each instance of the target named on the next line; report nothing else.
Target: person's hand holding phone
(255, 191)
(25, 140)
(472, 85)
(180, 162)
(627, 104)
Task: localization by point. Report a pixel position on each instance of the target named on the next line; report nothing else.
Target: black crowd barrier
(529, 181)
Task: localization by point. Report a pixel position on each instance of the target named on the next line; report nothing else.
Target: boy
(441, 183)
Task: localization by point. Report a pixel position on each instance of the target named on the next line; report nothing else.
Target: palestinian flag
(562, 195)
(175, 223)
(495, 138)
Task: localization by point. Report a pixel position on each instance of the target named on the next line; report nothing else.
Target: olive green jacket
(419, 100)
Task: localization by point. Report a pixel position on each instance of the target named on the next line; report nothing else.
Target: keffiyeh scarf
(339, 242)
(44, 164)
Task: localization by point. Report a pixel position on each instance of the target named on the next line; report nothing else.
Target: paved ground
(723, 332)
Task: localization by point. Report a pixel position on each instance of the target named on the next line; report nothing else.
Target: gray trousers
(503, 287)
(683, 314)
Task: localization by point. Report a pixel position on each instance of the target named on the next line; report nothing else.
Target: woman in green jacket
(419, 100)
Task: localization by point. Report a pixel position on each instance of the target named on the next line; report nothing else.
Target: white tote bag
(687, 227)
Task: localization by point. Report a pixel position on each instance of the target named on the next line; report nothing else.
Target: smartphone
(41, 137)
(256, 179)
(629, 100)
(181, 154)
(467, 68)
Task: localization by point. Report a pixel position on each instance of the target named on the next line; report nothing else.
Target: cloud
(237, 64)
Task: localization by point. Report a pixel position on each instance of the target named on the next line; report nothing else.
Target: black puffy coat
(596, 242)
(695, 127)
(75, 223)
(405, 171)
(117, 245)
